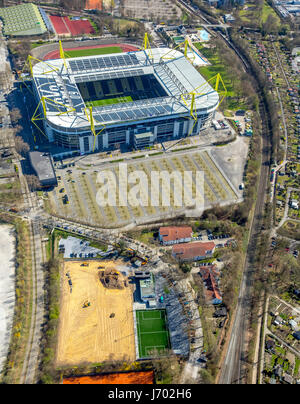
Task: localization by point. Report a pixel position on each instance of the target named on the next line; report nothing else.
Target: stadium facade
(137, 99)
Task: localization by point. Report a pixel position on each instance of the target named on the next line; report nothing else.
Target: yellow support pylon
(90, 118)
(62, 55)
(41, 116)
(147, 47)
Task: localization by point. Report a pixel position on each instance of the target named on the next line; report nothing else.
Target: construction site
(96, 317)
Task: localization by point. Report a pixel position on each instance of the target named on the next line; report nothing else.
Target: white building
(148, 91)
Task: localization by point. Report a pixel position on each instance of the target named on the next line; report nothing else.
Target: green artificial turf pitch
(153, 335)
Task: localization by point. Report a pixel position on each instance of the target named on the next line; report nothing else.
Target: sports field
(101, 331)
(93, 51)
(153, 335)
(108, 101)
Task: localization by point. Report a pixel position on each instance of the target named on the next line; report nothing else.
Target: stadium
(132, 99)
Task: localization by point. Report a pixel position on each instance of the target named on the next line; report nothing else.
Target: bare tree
(21, 146)
(33, 182)
(15, 115)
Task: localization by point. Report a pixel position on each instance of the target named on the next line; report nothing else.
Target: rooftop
(174, 72)
(175, 233)
(193, 250)
(22, 19)
(42, 164)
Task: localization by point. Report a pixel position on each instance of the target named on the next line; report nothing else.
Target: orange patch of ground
(94, 5)
(114, 378)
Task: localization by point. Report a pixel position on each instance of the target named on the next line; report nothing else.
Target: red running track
(125, 48)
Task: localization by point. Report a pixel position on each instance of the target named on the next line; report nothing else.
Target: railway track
(234, 369)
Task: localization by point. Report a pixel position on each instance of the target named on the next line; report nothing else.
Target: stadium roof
(22, 20)
(175, 74)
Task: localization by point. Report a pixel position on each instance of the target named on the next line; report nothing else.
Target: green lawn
(108, 101)
(216, 67)
(152, 332)
(93, 51)
(253, 13)
(268, 10)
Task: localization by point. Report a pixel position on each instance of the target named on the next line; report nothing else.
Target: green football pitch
(108, 101)
(93, 51)
(153, 336)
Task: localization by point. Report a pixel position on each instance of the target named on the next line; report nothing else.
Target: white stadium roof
(174, 72)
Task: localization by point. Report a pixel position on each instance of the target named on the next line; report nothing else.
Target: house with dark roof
(221, 312)
(175, 235)
(297, 335)
(193, 251)
(270, 345)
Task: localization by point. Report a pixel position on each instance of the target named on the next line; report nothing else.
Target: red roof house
(174, 235)
(193, 251)
(212, 292)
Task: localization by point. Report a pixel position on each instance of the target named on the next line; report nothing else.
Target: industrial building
(132, 99)
(43, 167)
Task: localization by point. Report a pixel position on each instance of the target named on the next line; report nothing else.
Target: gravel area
(7, 288)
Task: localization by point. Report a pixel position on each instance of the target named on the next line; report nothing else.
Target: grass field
(93, 51)
(108, 101)
(152, 332)
(253, 13)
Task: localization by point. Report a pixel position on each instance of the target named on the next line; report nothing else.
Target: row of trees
(272, 108)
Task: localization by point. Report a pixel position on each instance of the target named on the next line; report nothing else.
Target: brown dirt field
(146, 377)
(89, 335)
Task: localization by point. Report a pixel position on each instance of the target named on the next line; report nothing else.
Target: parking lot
(80, 186)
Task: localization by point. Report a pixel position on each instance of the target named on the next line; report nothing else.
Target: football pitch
(153, 336)
(108, 101)
(93, 51)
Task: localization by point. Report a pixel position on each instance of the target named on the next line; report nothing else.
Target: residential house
(297, 335)
(294, 204)
(174, 235)
(210, 278)
(270, 345)
(293, 324)
(278, 320)
(194, 251)
(221, 312)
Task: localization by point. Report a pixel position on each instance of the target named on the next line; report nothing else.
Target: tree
(15, 115)
(270, 26)
(21, 146)
(33, 182)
